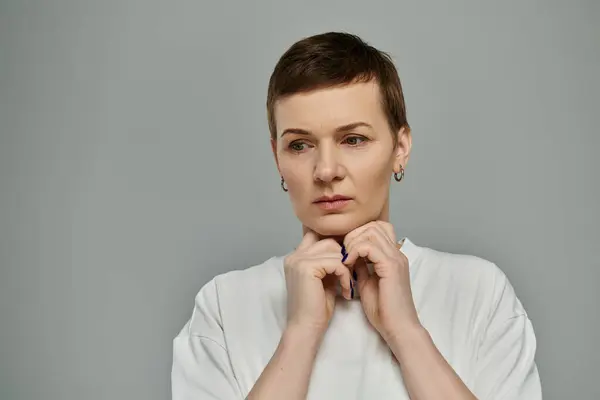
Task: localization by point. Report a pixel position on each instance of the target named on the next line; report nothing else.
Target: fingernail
(351, 289)
(354, 275)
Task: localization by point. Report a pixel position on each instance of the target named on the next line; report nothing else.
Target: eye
(297, 146)
(355, 140)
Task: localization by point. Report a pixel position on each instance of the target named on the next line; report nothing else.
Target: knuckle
(331, 244)
(362, 249)
(362, 243)
(388, 227)
(329, 241)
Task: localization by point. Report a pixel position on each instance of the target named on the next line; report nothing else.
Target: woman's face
(337, 142)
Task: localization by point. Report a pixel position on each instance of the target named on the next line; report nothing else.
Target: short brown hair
(336, 59)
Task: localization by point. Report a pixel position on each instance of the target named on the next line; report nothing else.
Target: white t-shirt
(466, 304)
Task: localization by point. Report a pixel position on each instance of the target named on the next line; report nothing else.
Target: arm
(387, 300)
(288, 373)
(310, 273)
(202, 370)
(201, 367)
(505, 367)
(426, 373)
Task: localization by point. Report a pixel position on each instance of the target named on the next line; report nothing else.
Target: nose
(328, 167)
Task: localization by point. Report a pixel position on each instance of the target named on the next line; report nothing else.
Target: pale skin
(337, 141)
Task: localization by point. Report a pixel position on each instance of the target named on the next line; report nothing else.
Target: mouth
(331, 203)
(337, 197)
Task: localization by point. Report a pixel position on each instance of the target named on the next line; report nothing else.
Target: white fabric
(465, 302)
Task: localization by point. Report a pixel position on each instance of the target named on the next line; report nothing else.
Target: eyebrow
(339, 129)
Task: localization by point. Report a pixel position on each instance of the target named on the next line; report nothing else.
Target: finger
(333, 266)
(309, 238)
(386, 229)
(388, 244)
(389, 231)
(346, 284)
(365, 248)
(325, 245)
(315, 258)
(373, 234)
(376, 237)
(356, 232)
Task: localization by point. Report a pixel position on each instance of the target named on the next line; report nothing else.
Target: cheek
(292, 174)
(299, 191)
(372, 170)
(372, 183)
(298, 180)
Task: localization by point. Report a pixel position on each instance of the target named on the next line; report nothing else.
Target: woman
(352, 312)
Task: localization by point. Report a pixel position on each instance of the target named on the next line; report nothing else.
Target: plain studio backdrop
(135, 165)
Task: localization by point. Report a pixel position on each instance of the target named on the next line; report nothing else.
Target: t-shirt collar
(410, 250)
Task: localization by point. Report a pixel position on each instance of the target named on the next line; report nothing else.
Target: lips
(333, 204)
(329, 199)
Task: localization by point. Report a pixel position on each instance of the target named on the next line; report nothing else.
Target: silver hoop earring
(397, 177)
(285, 189)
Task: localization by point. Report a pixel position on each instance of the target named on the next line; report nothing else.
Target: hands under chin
(385, 294)
(313, 269)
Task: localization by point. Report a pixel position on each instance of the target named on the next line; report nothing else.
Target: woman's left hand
(385, 295)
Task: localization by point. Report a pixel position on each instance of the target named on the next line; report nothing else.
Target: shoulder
(260, 275)
(250, 278)
(235, 291)
(457, 268)
(472, 278)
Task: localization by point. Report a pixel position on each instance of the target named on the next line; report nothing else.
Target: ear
(274, 150)
(403, 146)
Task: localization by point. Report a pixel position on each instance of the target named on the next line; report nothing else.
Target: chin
(335, 224)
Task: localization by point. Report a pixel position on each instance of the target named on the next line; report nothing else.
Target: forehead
(331, 107)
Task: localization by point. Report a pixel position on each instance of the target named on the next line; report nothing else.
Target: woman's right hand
(311, 273)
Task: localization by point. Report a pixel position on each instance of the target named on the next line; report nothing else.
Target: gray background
(135, 165)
